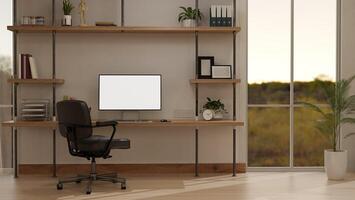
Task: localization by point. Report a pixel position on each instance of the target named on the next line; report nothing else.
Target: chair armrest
(105, 123)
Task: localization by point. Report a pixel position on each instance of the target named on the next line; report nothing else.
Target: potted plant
(340, 104)
(188, 16)
(67, 9)
(217, 108)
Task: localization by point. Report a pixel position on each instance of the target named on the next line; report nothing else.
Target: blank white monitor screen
(129, 92)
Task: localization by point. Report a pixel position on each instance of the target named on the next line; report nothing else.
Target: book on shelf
(27, 68)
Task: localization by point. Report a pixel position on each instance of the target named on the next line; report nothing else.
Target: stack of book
(35, 110)
(27, 68)
(221, 15)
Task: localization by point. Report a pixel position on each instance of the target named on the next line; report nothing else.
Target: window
(5, 73)
(281, 131)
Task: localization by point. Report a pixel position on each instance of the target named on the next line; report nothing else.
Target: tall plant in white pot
(67, 9)
(341, 104)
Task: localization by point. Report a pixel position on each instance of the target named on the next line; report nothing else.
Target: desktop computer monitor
(130, 92)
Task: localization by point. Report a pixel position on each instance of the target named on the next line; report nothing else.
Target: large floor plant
(341, 104)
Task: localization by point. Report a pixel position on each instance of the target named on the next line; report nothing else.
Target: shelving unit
(53, 29)
(52, 82)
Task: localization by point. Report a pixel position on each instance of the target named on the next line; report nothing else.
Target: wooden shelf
(214, 81)
(157, 123)
(118, 29)
(37, 81)
(37, 124)
(182, 123)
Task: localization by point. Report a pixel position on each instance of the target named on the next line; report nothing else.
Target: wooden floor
(250, 186)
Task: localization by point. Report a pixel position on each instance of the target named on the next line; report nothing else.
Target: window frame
(291, 104)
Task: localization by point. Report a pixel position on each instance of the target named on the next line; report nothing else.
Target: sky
(5, 20)
(269, 39)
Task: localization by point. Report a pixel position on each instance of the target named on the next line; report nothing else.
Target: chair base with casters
(93, 176)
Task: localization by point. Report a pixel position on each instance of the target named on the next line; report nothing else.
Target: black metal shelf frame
(14, 130)
(234, 170)
(54, 162)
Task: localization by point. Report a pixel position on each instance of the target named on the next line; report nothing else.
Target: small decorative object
(207, 114)
(204, 67)
(341, 106)
(32, 20)
(105, 24)
(39, 20)
(67, 9)
(189, 16)
(66, 97)
(216, 106)
(222, 71)
(83, 9)
(25, 20)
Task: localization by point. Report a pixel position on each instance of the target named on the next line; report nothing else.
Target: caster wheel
(123, 186)
(59, 186)
(88, 192)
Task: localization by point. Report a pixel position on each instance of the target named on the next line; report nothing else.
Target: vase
(335, 164)
(218, 115)
(189, 23)
(67, 20)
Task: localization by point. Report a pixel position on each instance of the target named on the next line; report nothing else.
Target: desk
(123, 124)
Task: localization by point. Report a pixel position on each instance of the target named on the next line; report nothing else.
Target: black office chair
(75, 124)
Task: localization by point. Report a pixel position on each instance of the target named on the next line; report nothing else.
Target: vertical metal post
(53, 12)
(292, 106)
(339, 51)
(196, 109)
(14, 92)
(234, 88)
(54, 101)
(234, 105)
(122, 13)
(196, 98)
(54, 90)
(339, 36)
(15, 152)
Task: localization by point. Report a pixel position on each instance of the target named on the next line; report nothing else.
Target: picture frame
(205, 64)
(221, 71)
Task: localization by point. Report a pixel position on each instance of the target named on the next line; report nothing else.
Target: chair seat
(96, 144)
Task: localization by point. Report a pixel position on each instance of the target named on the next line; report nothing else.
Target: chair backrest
(74, 112)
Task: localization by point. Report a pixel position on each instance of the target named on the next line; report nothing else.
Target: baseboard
(6, 171)
(131, 168)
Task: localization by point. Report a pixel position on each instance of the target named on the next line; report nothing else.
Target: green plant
(215, 105)
(189, 13)
(67, 7)
(340, 104)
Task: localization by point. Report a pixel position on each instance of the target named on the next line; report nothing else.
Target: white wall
(81, 57)
(348, 67)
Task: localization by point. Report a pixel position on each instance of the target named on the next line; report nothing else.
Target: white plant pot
(335, 164)
(189, 23)
(67, 20)
(218, 115)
